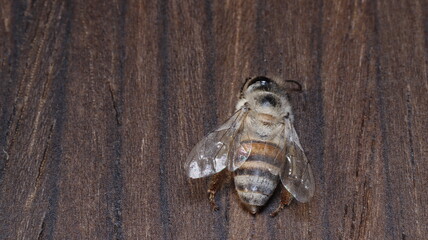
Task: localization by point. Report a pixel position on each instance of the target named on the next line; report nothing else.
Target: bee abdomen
(256, 179)
(255, 182)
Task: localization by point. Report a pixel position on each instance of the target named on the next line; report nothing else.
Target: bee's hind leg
(286, 199)
(215, 184)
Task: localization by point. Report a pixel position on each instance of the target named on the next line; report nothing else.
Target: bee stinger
(260, 146)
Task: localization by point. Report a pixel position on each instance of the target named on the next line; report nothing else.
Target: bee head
(264, 90)
(259, 84)
(265, 96)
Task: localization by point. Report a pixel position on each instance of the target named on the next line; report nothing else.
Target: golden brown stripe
(261, 165)
(262, 148)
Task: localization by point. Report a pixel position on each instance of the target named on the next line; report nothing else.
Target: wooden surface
(101, 101)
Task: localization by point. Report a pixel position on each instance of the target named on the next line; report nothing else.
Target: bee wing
(296, 174)
(212, 153)
(240, 147)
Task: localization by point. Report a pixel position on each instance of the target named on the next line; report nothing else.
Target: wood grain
(101, 101)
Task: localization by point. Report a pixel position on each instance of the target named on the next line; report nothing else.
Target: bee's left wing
(213, 153)
(296, 175)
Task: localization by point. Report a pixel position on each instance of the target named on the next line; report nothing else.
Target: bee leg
(215, 184)
(286, 199)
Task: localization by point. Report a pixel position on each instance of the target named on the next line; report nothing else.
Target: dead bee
(260, 146)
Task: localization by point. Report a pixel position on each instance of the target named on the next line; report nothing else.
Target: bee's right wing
(296, 175)
(213, 153)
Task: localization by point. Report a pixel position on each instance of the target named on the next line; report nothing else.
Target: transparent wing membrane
(213, 153)
(239, 151)
(296, 174)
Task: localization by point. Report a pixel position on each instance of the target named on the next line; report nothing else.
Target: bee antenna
(298, 89)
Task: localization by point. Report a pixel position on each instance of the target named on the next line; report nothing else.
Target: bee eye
(260, 83)
(263, 83)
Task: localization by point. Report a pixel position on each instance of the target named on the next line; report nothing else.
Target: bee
(259, 146)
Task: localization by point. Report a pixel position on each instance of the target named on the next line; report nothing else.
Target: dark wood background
(101, 101)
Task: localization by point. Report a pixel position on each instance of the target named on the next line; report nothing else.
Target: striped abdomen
(256, 179)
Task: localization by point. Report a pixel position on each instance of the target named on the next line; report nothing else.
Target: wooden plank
(102, 101)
